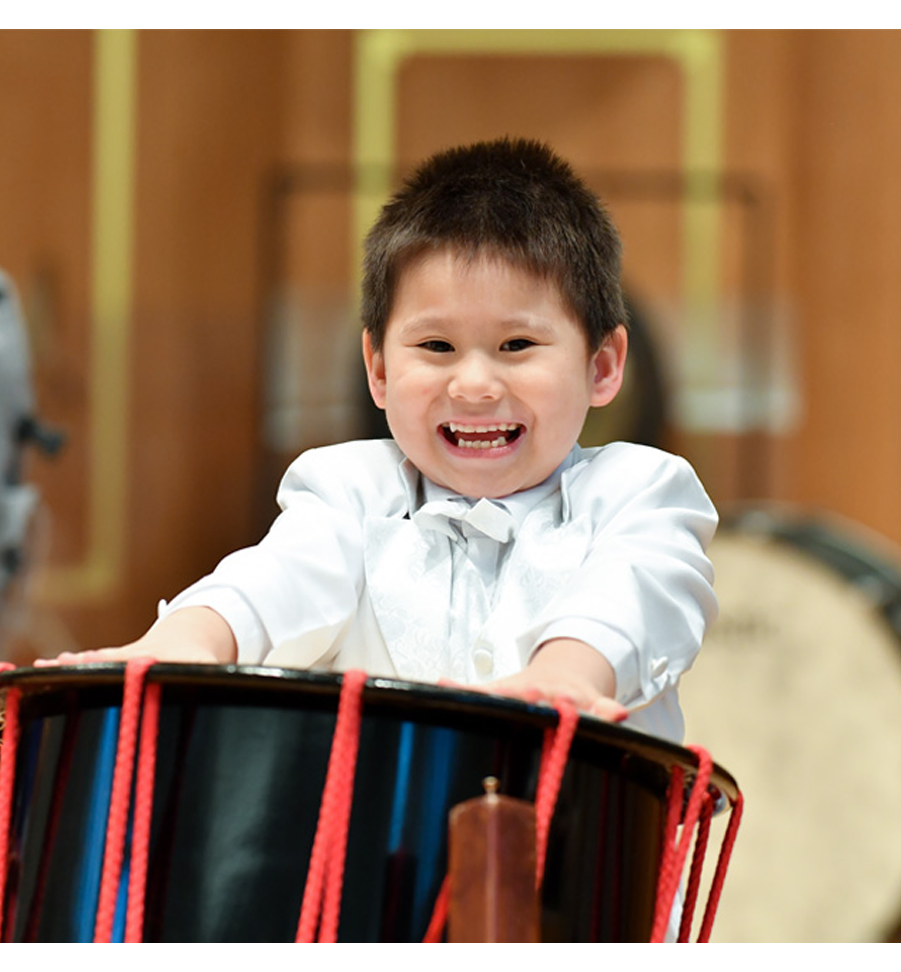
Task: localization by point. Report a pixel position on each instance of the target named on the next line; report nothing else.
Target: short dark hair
(513, 199)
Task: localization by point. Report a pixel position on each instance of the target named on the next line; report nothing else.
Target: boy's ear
(609, 364)
(375, 370)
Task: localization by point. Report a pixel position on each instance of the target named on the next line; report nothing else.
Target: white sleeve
(303, 581)
(643, 596)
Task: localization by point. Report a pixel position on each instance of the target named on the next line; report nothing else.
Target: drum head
(798, 690)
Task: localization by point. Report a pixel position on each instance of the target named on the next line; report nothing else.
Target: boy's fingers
(64, 658)
(82, 657)
(609, 710)
(527, 693)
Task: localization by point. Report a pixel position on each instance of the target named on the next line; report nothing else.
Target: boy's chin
(488, 484)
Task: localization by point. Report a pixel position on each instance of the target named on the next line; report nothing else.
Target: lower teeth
(482, 443)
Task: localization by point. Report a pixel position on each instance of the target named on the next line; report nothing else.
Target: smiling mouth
(482, 436)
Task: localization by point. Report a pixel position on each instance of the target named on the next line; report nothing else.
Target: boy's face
(485, 374)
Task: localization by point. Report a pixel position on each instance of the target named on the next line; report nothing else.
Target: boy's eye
(517, 344)
(441, 347)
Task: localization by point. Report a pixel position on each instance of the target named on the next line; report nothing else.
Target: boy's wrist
(578, 660)
(192, 634)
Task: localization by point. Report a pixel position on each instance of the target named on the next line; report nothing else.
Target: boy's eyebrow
(428, 323)
(414, 325)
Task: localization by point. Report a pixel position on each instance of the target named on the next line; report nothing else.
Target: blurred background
(181, 216)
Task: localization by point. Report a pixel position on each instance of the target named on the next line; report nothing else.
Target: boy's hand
(193, 634)
(564, 667)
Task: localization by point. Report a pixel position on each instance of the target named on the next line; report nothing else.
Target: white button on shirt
(658, 666)
(609, 550)
(483, 661)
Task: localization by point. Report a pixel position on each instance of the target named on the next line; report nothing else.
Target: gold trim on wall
(112, 244)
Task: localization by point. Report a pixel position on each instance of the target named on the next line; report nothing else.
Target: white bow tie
(485, 517)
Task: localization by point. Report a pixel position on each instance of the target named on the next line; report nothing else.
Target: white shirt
(357, 573)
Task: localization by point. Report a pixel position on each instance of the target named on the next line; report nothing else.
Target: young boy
(481, 545)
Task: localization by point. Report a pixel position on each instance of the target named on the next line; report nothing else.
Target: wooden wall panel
(317, 79)
(757, 309)
(208, 134)
(209, 110)
(849, 287)
(45, 105)
(812, 118)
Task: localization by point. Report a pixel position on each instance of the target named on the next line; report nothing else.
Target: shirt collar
(421, 490)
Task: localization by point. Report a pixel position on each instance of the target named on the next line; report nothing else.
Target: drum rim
(386, 692)
(852, 551)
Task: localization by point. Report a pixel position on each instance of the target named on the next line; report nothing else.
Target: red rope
(554, 756)
(325, 875)
(674, 852)
(7, 784)
(140, 840)
(117, 819)
(435, 931)
(722, 865)
(697, 865)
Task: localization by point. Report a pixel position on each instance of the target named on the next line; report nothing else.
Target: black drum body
(241, 762)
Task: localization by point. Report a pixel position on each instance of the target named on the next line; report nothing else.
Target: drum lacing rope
(698, 813)
(697, 865)
(7, 782)
(325, 875)
(554, 756)
(438, 920)
(143, 813)
(120, 800)
(722, 865)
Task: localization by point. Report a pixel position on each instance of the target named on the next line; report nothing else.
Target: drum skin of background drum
(799, 682)
(241, 761)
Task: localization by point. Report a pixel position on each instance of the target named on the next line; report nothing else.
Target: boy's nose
(474, 379)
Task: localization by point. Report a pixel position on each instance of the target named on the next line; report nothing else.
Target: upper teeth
(502, 427)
